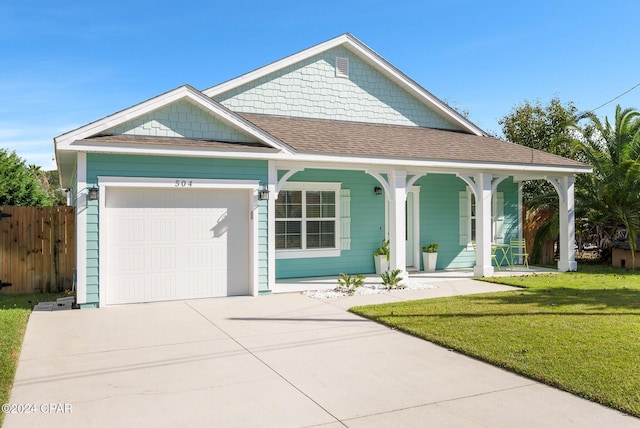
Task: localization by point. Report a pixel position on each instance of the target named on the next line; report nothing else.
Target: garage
(170, 244)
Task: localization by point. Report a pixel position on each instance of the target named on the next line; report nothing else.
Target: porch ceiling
(329, 137)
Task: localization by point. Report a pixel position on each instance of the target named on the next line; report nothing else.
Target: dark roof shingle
(318, 136)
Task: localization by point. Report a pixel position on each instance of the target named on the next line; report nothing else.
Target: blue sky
(66, 63)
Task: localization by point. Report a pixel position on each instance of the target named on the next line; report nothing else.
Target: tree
(607, 202)
(53, 188)
(20, 184)
(542, 128)
(609, 199)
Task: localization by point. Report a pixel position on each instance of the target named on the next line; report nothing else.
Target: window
(289, 219)
(472, 216)
(307, 216)
(468, 228)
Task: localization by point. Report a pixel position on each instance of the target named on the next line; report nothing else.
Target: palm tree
(609, 199)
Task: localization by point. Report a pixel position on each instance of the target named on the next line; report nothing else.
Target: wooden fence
(37, 249)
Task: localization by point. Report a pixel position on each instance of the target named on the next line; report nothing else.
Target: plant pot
(381, 263)
(429, 260)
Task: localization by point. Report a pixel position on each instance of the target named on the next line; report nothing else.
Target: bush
(391, 279)
(349, 283)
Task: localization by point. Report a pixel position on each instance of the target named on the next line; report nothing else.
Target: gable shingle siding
(311, 89)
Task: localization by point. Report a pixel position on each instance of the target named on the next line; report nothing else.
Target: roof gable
(183, 119)
(313, 88)
(374, 81)
(183, 110)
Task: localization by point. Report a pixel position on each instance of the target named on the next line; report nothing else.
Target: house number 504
(184, 183)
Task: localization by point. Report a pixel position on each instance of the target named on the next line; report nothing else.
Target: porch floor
(416, 278)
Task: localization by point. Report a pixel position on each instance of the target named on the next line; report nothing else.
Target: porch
(417, 280)
(405, 208)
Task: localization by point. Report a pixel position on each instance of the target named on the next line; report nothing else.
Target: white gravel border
(367, 289)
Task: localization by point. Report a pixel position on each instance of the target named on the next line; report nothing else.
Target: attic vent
(342, 67)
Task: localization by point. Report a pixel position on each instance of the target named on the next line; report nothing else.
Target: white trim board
(176, 182)
(81, 229)
(296, 160)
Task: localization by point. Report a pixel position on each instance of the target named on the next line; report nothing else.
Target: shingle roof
(179, 142)
(317, 136)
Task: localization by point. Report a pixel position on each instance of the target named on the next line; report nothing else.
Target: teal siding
(367, 228)
(263, 239)
(158, 167)
(439, 212)
(181, 119)
(310, 88)
(439, 219)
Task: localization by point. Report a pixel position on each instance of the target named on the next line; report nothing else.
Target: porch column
(397, 220)
(483, 225)
(567, 261)
(271, 224)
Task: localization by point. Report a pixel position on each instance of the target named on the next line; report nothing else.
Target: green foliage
(21, 185)
(53, 189)
(391, 279)
(383, 250)
(349, 283)
(609, 199)
(540, 127)
(607, 202)
(431, 248)
(575, 331)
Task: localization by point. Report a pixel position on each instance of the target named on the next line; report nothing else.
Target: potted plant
(381, 257)
(430, 257)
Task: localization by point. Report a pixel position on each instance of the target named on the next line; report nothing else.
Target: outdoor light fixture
(263, 194)
(93, 193)
(377, 190)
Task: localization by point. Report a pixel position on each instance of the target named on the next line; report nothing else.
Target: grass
(575, 331)
(14, 314)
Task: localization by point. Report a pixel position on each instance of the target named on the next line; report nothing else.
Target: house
(299, 168)
(623, 257)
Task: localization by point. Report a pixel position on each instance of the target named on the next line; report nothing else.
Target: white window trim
(494, 201)
(314, 252)
(470, 199)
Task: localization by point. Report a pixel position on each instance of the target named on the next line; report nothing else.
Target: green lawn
(14, 314)
(576, 331)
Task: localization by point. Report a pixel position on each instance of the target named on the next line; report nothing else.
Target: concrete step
(61, 304)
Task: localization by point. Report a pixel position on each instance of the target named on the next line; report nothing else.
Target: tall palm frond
(610, 197)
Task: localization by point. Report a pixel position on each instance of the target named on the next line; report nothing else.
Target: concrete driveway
(281, 360)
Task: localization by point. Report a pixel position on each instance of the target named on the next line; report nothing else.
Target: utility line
(613, 99)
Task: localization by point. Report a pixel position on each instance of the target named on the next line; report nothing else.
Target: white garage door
(167, 244)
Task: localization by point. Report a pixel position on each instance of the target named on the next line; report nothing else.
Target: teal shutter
(463, 203)
(345, 219)
(499, 218)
